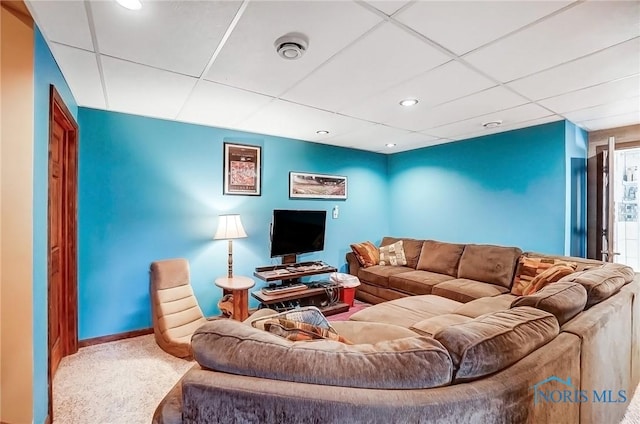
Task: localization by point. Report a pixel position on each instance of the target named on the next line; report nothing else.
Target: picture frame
(242, 169)
(304, 185)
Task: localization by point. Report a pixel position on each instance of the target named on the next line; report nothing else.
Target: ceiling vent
(291, 46)
(492, 124)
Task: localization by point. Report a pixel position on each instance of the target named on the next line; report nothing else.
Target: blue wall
(576, 142)
(46, 72)
(152, 189)
(507, 189)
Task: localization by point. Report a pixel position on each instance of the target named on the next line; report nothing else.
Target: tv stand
(290, 273)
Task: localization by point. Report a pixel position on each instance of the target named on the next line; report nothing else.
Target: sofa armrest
(354, 265)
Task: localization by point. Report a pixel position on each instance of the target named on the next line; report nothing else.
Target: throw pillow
(300, 331)
(529, 268)
(366, 253)
(548, 276)
(393, 254)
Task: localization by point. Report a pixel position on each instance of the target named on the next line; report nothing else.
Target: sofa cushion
(463, 290)
(393, 254)
(547, 277)
(366, 253)
(601, 282)
(563, 299)
(416, 282)
(412, 248)
(379, 274)
(359, 332)
(530, 267)
(494, 341)
(406, 311)
(486, 305)
(440, 257)
(408, 363)
(624, 270)
(430, 326)
(489, 264)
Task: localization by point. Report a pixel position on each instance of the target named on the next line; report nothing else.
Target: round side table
(239, 287)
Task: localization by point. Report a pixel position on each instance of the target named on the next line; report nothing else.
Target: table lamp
(229, 228)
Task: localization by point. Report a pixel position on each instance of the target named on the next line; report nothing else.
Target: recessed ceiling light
(130, 4)
(322, 132)
(492, 124)
(390, 145)
(408, 102)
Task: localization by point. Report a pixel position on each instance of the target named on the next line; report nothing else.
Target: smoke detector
(291, 46)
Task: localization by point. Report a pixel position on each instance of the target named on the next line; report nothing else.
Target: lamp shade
(229, 227)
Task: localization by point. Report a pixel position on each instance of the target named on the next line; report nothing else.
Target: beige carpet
(114, 383)
(633, 411)
(122, 383)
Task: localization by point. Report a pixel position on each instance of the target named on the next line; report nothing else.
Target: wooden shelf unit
(271, 273)
(306, 297)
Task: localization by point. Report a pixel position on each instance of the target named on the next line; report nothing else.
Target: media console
(290, 274)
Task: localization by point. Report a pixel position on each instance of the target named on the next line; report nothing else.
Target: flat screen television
(297, 231)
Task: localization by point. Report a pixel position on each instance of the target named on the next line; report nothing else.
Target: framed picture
(242, 169)
(303, 185)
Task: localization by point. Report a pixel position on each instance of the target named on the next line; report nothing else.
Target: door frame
(594, 203)
(69, 307)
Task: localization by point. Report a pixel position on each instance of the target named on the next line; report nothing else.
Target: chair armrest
(354, 265)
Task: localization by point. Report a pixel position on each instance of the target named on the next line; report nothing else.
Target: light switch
(336, 212)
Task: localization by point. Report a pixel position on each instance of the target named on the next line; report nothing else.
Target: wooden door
(62, 238)
(56, 244)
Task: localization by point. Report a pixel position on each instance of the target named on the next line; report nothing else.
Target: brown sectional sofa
(456, 271)
(445, 342)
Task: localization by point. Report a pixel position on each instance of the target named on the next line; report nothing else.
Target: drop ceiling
(214, 63)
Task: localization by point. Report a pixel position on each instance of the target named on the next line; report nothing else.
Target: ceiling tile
(611, 121)
(462, 26)
(63, 22)
(292, 120)
(508, 117)
(388, 7)
(595, 95)
(511, 127)
(249, 59)
(416, 145)
(384, 57)
(80, 69)
(218, 105)
(142, 90)
(559, 39)
(374, 137)
(179, 36)
(447, 82)
(619, 107)
(482, 103)
(613, 63)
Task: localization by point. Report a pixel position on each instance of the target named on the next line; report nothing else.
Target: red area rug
(357, 306)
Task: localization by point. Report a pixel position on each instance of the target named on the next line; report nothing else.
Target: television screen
(295, 232)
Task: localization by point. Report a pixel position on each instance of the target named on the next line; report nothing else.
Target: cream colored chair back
(176, 313)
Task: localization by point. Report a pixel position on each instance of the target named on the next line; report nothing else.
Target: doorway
(626, 241)
(62, 236)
